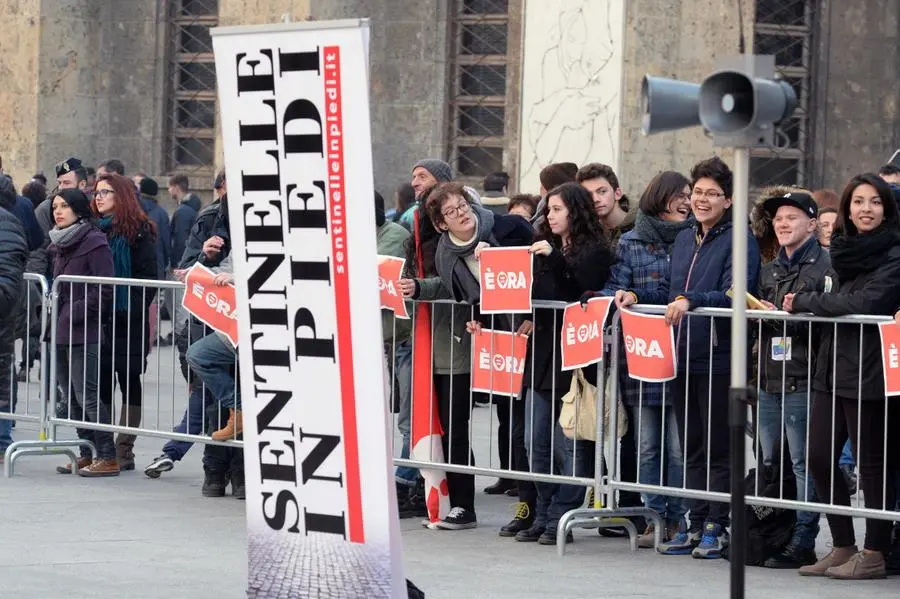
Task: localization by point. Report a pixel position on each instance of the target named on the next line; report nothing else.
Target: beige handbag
(582, 400)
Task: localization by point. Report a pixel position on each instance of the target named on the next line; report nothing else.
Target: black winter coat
(810, 270)
(118, 343)
(12, 292)
(838, 365)
(557, 279)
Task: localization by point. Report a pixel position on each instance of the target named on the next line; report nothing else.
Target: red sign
(890, 356)
(212, 304)
(498, 362)
(582, 333)
(390, 270)
(649, 347)
(506, 278)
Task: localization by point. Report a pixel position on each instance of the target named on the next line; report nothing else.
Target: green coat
(451, 348)
(391, 241)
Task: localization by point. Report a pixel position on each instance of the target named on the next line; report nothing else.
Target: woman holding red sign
(572, 256)
(642, 266)
(132, 239)
(848, 386)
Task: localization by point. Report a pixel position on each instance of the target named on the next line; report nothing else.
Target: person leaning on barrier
(132, 236)
(643, 265)
(848, 385)
(466, 229)
(79, 248)
(701, 278)
(571, 256)
(800, 264)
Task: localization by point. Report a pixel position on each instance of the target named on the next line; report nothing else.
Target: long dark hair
(844, 225)
(585, 231)
(428, 237)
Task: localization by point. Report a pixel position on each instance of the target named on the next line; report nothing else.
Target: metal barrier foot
(49, 447)
(607, 518)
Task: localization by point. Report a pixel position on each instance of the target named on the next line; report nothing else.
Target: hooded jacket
(809, 269)
(701, 273)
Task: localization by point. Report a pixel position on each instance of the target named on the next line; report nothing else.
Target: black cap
(797, 199)
(149, 187)
(67, 166)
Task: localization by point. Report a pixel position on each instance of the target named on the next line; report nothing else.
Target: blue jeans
(5, 434)
(212, 359)
(670, 509)
(403, 373)
(847, 455)
(795, 407)
(191, 423)
(554, 453)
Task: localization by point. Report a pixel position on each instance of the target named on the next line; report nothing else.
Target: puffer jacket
(808, 270)
(12, 293)
(701, 273)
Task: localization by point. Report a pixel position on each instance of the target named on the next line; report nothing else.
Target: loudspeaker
(733, 103)
(668, 104)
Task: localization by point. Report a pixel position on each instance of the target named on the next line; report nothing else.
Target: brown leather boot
(97, 468)
(838, 557)
(865, 565)
(233, 428)
(67, 469)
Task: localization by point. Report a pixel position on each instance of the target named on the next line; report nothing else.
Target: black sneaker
(161, 464)
(238, 489)
(501, 486)
(549, 537)
(214, 484)
(414, 505)
(458, 519)
(791, 558)
(532, 534)
(521, 521)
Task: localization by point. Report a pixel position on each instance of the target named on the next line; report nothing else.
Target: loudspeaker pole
(739, 393)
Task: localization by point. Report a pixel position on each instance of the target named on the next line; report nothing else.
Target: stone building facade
(486, 84)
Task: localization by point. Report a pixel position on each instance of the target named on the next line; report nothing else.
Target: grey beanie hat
(439, 169)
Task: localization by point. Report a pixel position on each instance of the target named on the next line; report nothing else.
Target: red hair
(129, 218)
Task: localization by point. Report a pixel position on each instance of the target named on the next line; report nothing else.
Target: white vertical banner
(321, 513)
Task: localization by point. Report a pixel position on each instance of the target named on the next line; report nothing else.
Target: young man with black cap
(801, 265)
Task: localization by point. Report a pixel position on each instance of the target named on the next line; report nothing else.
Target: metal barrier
(885, 479)
(606, 512)
(132, 417)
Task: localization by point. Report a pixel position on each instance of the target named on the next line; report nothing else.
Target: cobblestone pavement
(66, 537)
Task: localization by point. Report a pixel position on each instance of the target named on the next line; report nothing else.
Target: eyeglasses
(681, 197)
(709, 194)
(103, 193)
(455, 211)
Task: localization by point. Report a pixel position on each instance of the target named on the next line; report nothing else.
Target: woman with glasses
(642, 269)
(701, 278)
(463, 229)
(132, 237)
(77, 247)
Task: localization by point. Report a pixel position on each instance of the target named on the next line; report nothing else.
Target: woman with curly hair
(132, 238)
(572, 256)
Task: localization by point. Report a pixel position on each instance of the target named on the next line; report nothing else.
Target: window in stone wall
(784, 28)
(191, 139)
(479, 116)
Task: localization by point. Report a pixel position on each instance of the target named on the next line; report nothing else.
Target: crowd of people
(100, 223)
(808, 252)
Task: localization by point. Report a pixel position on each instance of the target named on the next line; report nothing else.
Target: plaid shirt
(639, 267)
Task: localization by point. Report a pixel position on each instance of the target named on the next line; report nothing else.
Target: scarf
(121, 254)
(852, 255)
(654, 230)
(450, 258)
(71, 235)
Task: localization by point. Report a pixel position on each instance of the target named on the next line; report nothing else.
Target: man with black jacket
(12, 288)
(801, 265)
